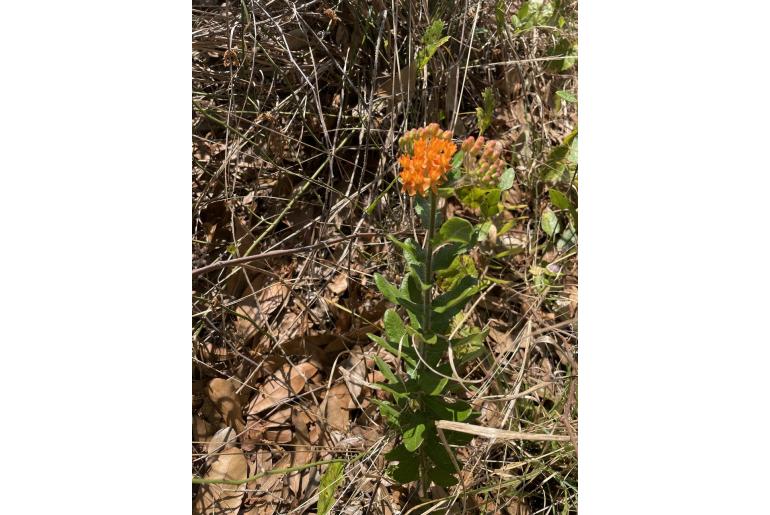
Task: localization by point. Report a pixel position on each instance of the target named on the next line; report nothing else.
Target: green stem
(427, 299)
(205, 481)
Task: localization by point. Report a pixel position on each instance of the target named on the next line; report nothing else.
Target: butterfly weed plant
(426, 338)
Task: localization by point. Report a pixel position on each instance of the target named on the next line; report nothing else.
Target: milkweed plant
(428, 341)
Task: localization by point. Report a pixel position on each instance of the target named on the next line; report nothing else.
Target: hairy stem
(427, 299)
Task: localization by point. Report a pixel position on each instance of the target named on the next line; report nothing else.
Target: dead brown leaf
(202, 429)
(272, 297)
(339, 284)
(303, 454)
(334, 407)
(219, 499)
(284, 383)
(222, 439)
(222, 394)
(264, 502)
(353, 370)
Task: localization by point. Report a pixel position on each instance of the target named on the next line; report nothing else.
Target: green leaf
(444, 256)
(561, 160)
(523, 12)
(567, 50)
(490, 205)
(559, 199)
(567, 239)
(470, 346)
(571, 137)
(413, 254)
(500, 15)
(476, 337)
(410, 296)
(394, 327)
(431, 383)
(441, 477)
(328, 487)
(567, 96)
(506, 180)
(456, 411)
(406, 353)
(398, 391)
(458, 438)
(485, 199)
(399, 453)
(386, 288)
(405, 472)
(389, 413)
(483, 230)
(408, 468)
(437, 452)
(413, 436)
(431, 41)
(463, 265)
(459, 293)
(422, 208)
(456, 230)
(484, 114)
(385, 369)
(549, 222)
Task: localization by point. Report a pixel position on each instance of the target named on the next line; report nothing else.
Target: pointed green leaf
(458, 295)
(327, 488)
(559, 199)
(567, 96)
(386, 288)
(388, 411)
(386, 371)
(410, 296)
(398, 390)
(413, 254)
(405, 352)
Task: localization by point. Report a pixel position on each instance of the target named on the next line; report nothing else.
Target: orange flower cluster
(426, 158)
(482, 159)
